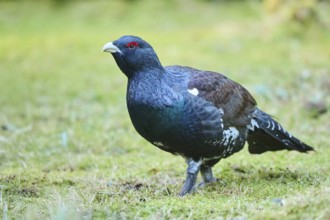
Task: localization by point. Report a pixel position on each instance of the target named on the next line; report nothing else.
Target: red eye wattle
(132, 45)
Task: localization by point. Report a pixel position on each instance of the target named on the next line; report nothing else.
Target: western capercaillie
(201, 115)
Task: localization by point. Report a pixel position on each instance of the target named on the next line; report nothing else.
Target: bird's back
(236, 102)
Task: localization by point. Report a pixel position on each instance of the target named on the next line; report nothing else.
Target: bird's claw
(213, 180)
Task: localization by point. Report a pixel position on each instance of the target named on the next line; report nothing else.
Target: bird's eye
(132, 45)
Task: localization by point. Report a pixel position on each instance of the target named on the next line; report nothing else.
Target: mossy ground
(69, 151)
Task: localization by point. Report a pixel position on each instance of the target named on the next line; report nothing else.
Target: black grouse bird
(201, 115)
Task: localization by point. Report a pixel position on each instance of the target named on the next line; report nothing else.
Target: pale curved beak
(111, 48)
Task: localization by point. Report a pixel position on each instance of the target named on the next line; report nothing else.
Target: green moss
(69, 151)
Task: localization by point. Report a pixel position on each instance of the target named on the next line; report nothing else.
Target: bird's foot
(213, 180)
(203, 183)
(189, 185)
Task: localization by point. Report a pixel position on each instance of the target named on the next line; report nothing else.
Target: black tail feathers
(266, 134)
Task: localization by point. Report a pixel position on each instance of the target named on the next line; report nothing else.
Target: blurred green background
(67, 146)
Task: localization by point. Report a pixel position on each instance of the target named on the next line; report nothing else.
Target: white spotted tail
(266, 134)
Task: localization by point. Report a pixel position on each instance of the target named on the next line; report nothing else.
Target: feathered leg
(207, 174)
(192, 171)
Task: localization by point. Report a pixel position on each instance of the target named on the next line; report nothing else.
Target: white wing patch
(193, 91)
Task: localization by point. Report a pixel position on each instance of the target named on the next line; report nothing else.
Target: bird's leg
(207, 175)
(192, 171)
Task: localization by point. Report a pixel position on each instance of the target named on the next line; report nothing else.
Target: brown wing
(236, 102)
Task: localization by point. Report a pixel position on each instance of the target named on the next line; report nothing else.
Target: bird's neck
(152, 70)
(144, 83)
(150, 88)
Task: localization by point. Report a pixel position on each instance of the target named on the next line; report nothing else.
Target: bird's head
(133, 55)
